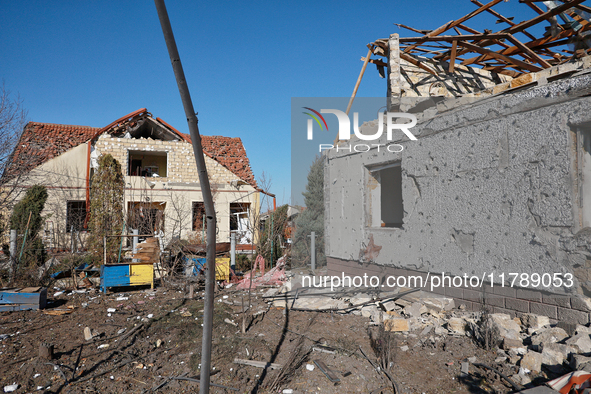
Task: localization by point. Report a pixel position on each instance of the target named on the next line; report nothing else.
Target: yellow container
(222, 268)
(141, 274)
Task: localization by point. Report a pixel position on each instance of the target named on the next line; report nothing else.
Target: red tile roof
(41, 142)
(230, 153)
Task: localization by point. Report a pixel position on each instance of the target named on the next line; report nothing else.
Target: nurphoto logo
(392, 124)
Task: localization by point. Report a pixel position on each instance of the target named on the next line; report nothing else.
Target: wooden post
(369, 53)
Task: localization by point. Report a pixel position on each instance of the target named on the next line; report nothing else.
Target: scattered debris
(330, 374)
(258, 364)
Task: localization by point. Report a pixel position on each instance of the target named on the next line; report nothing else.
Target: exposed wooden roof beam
(451, 24)
(509, 60)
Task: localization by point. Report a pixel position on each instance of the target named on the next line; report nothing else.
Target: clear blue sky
(91, 62)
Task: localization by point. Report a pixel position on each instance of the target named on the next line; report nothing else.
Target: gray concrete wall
(490, 186)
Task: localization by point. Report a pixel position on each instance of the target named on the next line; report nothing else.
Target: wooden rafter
(498, 51)
(496, 55)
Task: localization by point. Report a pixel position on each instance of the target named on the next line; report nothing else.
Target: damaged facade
(162, 190)
(499, 180)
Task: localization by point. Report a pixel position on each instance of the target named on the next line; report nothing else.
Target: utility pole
(205, 190)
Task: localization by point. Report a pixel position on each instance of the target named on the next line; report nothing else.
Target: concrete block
(581, 341)
(517, 305)
(509, 343)
(530, 295)
(579, 362)
(534, 321)
(581, 303)
(397, 325)
(547, 336)
(457, 325)
(454, 292)
(543, 309)
(494, 300)
(556, 299)
(472, 295)
(571, 315)
(551, 357)
(506, 291)
(505, 311)
(532, 361)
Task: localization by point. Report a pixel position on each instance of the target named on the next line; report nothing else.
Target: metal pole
(233, 250)
(12, 255)
(104, 250)
(134, 241)
(313, 249)
(205, 190)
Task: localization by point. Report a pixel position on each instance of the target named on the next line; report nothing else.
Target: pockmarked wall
(496, 186)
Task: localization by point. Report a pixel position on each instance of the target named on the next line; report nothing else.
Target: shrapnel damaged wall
(493, 186)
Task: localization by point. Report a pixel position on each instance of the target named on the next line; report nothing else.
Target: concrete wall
(495, 185)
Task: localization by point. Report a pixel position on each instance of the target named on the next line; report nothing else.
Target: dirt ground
(154, 338)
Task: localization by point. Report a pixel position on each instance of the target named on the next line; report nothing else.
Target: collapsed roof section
(493, 57)
(41, 142)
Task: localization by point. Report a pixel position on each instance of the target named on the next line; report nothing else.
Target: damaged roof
(41, 142)
(512, 50)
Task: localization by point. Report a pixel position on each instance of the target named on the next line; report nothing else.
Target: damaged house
(498, 181)
(162, 190)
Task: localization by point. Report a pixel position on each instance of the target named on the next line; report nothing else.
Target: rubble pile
(530, 342)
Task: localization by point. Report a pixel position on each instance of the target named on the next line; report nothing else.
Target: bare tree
(12, 121)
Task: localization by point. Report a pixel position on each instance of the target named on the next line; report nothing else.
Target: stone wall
(180, 158)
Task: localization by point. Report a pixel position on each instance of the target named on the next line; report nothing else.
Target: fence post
(313, 249)
(12, 254)
(233, 250)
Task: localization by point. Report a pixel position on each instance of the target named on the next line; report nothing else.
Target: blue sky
(91, 62)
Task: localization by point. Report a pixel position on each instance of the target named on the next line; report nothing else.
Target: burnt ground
(155, 336)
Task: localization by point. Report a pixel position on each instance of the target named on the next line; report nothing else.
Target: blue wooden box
(22, 299)
(119, 275)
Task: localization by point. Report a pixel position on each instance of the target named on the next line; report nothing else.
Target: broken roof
(41, 142)
(512, 51)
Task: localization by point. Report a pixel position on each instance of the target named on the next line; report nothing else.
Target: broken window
(198, 216)
(148, 164)
(75, 215)
(240, 222)
(385, 196)
(147, 218)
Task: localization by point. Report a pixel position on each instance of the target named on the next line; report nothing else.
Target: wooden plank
(495, 55)
(501, 17)
(451, 24)
(30, 290)
(534, 7)
(376, 61)
(327, 371)
(258, 364)
(452, 59)
(542, 17)
(534, 56)
(539, 43)
(414, 61)
(411, 28)
(493, 36)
